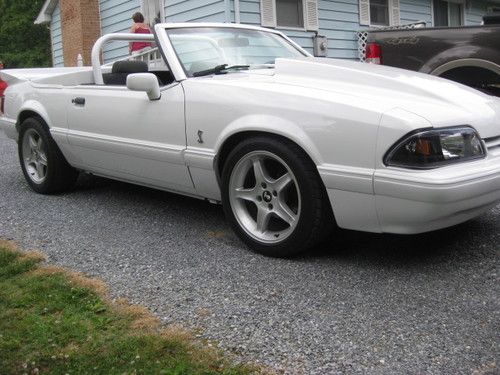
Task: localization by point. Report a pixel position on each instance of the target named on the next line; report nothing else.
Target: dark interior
(121, 69)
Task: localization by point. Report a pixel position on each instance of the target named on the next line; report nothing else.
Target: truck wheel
(273, 197)
(44, 167)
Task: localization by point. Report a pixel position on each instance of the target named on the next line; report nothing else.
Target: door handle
(78, 101)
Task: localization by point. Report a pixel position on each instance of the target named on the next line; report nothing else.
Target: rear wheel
(273, 197)
(44, 167)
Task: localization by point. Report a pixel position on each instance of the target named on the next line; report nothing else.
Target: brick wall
(80, 26)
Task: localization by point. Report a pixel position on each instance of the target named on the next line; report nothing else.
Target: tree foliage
(22, 43)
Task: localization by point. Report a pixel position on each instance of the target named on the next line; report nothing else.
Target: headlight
(426, 149)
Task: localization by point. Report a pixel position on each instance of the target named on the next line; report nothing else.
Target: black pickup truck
(468, 54)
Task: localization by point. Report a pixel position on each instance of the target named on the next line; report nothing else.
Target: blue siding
(116, 17)
(55, 32)
(195, 10)
(416, 10)
(339, 21)
(475, 12)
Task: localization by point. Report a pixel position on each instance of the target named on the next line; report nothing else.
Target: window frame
(389, 18)
(462, 15)
(310, 16)
(364, 11)
(304, 19)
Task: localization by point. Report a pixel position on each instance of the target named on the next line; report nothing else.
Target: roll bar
(96, 49)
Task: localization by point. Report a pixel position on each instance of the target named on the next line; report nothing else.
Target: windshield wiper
(219, 69)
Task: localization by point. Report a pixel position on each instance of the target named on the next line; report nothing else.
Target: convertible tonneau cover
(12, 76)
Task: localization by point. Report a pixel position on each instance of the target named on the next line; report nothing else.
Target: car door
(120, 133)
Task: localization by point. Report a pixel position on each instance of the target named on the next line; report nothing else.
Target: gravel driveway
(364, 303)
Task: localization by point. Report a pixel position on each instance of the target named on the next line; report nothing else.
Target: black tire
(315, 218)
(59, 176)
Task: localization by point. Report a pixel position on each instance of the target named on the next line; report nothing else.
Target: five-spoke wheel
(34, 156)
(264, 196)
(273, 197)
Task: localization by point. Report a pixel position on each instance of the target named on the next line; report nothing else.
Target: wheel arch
(32, 108)
(226, 144)
(466, 63)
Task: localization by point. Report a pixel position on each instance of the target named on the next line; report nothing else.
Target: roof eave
(45, 14)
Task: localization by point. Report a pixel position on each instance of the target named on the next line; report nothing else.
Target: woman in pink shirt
(139, 27)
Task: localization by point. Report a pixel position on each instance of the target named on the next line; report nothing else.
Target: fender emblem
(200, 136)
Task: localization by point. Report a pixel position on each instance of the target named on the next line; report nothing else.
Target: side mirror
(146, 82)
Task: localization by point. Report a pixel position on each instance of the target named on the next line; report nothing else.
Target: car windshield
(212, 50)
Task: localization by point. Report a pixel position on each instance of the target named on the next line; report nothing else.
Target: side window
(153, 11)
(447, 13)
(297, 14)
(379, 12)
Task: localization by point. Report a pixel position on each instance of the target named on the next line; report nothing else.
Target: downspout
(227, 11)
(236, 11)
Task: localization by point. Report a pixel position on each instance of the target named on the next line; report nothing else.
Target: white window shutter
(395, 13)
(268, 13)
(364, 12)
(311, 19)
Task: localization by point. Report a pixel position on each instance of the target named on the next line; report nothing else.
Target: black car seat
(120, 71)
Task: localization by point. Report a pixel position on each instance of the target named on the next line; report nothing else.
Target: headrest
(129, 67)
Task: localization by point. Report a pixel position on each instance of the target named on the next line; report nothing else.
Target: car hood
(439, 101)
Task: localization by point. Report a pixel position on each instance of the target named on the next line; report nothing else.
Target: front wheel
(273, 197)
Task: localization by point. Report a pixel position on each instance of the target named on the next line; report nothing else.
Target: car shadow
(460, 241)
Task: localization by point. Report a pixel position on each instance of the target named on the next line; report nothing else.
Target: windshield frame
(170, 55)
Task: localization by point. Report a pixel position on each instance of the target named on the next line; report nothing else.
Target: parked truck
(469, 54)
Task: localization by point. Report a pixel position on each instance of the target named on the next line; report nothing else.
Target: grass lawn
(57, 322)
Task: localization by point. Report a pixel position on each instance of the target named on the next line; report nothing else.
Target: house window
(448, 13)
(301, 14)
(379, 12)
(153, 11)
(290, 13)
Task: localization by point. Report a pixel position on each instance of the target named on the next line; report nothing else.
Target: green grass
(54, 322)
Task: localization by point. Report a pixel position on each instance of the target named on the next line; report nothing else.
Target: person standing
(139, 27)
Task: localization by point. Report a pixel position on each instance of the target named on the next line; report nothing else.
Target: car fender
(272, 124)
(36, 107)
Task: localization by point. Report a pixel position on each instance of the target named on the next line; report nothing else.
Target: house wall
(56, 36)
(339, 21)
(116, 16)
(195, 10)
(475, 12)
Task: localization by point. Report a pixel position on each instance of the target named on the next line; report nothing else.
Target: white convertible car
(290, 144)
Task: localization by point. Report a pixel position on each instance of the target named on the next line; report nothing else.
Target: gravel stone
(360, 304)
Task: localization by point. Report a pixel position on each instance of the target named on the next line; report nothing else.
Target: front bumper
(421, 201)
(9, 127)
(397, 200)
